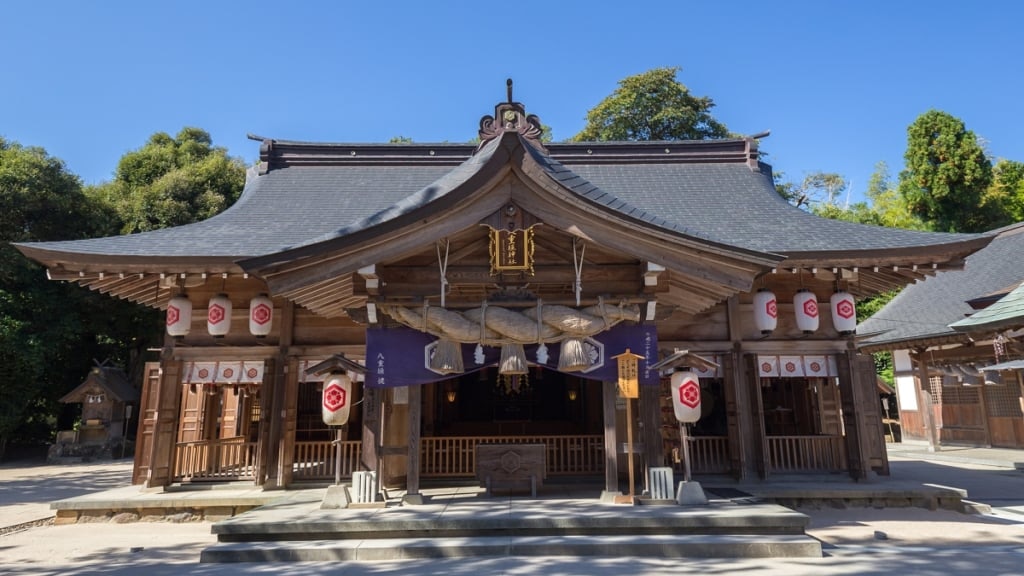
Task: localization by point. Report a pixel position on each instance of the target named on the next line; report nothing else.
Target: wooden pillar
(851, 397)
(924, 395)
(731, 367)
(147, 419)
(372, 397)
(289, 422)
(165, 420)
(983, 406)
(758, 450)
(412, 473)
(611, 450)
(273, 407)
(739, 417)
(650, 433)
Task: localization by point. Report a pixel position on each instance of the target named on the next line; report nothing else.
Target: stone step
(482, 521)
(652, 546)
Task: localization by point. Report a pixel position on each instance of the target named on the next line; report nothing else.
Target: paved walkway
(995, 457)
(856, 541)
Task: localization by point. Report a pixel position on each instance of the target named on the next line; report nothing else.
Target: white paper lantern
(218, 315)
(686, 396)
(261, 315)
(805, 306)
(179, 316)
(766, 311)
(337, 399)
(844, 312)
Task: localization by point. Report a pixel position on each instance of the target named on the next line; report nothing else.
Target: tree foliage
(49, 332)
(172, 181)
(1007, 189)
(946, 175)
(816, 188)
(652, 105)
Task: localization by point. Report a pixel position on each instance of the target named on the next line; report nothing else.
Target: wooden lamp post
(629, 388)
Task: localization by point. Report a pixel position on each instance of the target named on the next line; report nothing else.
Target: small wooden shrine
(108, 403)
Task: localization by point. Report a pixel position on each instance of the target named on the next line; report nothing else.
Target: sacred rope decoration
(494, 325)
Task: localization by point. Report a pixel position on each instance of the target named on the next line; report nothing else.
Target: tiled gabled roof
(312, 192)
(922, 312)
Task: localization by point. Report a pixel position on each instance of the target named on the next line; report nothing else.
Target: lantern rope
(442, 264)
(577, 264)
(542, 349)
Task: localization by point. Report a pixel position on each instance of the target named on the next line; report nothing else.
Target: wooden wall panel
(147, 422)
(1006, 432)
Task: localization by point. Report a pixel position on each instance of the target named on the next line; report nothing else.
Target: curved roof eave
(450, 186)
(568, 180)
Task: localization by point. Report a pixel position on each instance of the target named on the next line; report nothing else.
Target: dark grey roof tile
(926, 309)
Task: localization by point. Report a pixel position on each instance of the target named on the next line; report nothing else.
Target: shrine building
(447, 296)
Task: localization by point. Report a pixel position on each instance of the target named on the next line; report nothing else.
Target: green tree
(946, 175)
(49, 331)
(888, 207)
(816, 188)
(172, 181)
(652, 105)
(1007, 189)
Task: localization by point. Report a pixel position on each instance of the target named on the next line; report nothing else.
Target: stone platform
(463, 521)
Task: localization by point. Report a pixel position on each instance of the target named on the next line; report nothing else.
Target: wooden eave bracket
(651, 274)
(683, 358)
(336, 363)
(369, 273)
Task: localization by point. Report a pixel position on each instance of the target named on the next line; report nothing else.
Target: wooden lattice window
(960, 395)
(1003, 400)
(935, 383)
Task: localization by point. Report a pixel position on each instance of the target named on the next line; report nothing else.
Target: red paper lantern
(844, 312)
(179, 316)
(805, 306)
(766, 311)
(261, 315)
(686, 396)
(337, 400)
(218, 316)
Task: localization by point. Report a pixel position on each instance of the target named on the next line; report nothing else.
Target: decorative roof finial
(510, 116)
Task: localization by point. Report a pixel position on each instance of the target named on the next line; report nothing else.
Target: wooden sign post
(629, 388)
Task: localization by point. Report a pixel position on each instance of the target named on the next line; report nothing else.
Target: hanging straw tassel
(447, 358)
(573, 356)
(513, 359)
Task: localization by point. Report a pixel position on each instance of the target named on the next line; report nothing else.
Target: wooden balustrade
(455, 456)
(806, 454)
(224, 459)
(317, 460)
(709, 454)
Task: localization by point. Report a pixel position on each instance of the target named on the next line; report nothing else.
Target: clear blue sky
(837, 82)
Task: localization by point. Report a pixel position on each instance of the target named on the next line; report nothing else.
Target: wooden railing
(806, 454)
(317, 460)
(709, 454)
(224, 459)
(455, 456)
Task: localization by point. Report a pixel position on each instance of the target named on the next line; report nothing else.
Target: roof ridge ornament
(510, 116)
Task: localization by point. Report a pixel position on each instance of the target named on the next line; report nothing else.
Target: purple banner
(401, 356)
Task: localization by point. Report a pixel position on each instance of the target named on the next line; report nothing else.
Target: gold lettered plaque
(629, 374)
(511, 250)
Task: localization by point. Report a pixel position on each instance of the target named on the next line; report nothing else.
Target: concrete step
(652, 546)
